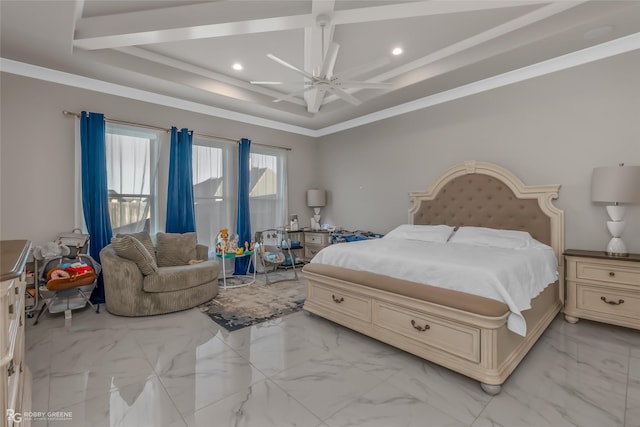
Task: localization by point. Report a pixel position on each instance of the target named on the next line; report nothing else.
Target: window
(268, 188)
(132, 164)
(214, 188)
(136, 183)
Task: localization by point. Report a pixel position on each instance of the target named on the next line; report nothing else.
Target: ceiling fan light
(396, 51)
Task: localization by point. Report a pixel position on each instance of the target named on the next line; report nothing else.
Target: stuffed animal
(222, 241)
(57, 274)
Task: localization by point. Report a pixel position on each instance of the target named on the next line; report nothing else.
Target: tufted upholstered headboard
(486, 195)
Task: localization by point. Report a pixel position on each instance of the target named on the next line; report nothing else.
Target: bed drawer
(455, 338)
(608, 300)
(351, 304)
(606, 272)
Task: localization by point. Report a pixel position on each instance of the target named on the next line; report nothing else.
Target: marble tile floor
(182, 369)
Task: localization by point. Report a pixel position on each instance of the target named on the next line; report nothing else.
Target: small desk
(252, 261)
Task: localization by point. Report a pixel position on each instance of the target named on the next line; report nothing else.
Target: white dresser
(15, 387)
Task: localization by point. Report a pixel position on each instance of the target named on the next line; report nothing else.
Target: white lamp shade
(616, 184)
(316, 198)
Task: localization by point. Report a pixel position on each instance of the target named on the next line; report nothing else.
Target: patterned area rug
(237, 308)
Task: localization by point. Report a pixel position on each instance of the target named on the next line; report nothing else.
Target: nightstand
(314, 241)
(602, 288)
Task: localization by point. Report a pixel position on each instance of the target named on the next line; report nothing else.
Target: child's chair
(270, 248)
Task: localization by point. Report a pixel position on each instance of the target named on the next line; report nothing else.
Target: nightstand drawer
(607, 300)
(315, 239)
(607, 273)
(311, 250)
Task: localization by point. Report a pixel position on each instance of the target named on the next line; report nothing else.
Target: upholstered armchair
(140, 282)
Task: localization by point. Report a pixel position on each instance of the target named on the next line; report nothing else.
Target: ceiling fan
(326, 81)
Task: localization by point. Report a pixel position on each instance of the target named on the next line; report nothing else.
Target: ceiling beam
(423, 8)
(220, 19)
(468, 43)
(281, 23)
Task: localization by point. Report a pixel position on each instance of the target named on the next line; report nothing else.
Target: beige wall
(551, 130)
(37, 151)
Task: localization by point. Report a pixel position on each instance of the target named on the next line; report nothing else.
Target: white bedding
(513, 276)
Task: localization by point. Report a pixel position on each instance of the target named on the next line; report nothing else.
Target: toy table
(250, 277)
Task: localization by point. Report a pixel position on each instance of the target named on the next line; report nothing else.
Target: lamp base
(617, 248)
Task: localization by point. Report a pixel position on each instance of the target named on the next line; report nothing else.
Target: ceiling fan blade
(300, 82)
(330, 61)
(361, 69)
(344, 95)
(292, 67)
(361, 85)
(290, 96)
(314, 107)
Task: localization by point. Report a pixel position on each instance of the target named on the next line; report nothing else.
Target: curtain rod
(223, 138)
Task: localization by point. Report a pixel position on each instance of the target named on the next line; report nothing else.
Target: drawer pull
(620, 301)
(11, 309)
(418, 327)
(611, 273)
(337, 300)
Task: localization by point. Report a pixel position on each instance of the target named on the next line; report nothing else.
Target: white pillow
(425, 233)
(480, 236)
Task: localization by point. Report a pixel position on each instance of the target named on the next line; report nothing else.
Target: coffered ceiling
(182, 52)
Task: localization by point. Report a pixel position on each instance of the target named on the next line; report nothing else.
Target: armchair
(129, 292)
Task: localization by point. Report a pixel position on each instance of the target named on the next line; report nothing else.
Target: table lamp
(316, 199)
(616, 185)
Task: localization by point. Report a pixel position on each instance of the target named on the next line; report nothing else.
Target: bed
(463, 332)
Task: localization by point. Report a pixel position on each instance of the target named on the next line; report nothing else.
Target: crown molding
(563, 62)
(74, 80)
(559, 63)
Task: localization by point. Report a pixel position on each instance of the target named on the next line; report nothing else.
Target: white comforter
(513, 276)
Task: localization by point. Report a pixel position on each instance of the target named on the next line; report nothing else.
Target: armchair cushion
(144, 238)
(130, 248)
(175, 248)
(181, 277)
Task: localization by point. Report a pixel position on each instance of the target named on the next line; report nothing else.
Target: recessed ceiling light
(397, 51)
(237, 66)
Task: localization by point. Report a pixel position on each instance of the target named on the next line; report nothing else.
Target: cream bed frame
(471, 342)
